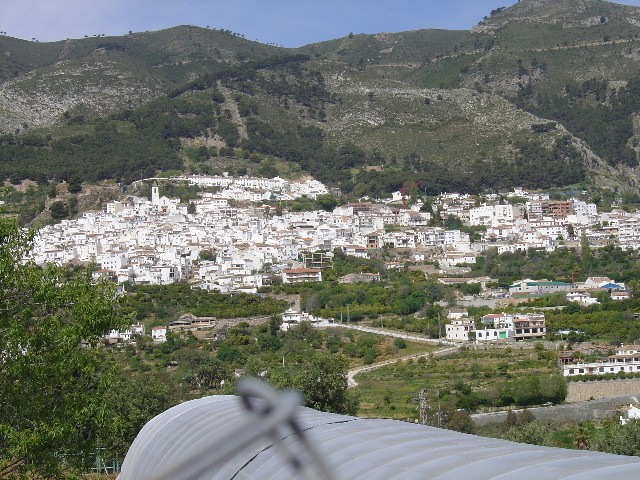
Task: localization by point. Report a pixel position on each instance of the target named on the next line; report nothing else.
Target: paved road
(351, 382)
(602, 408)
(395, 333)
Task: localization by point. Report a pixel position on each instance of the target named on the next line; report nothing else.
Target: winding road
(351, 382)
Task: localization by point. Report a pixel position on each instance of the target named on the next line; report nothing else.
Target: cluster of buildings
(528, 220)
(233, 239)
(533, 220)
(254, 189)
(580, 292)
(219, 243)
(232, 246)
(124, 336)
(498, 326)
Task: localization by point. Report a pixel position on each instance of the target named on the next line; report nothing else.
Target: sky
(290, 23)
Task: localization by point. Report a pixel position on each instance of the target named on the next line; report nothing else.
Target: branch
(12, 467)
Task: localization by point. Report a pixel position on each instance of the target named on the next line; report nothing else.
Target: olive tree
(51, 384)
(322, 379)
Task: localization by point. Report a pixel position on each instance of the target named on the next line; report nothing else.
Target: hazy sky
(291, 23)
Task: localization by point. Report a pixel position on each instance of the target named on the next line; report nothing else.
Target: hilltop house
(501, 326)
(626, 359)
(459, 328)
(291, 318)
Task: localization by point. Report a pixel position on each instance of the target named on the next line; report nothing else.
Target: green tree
(326, 202)
(322, 379)
(133, 400)
(72, 205)
(400, 342)
(74, 184)
(193, 358)
(230, 354)
(581, 436)
(511, 420)
(51, 388)
(52, 190)
(615, 438)
(585, 253)
(58, 210)
(460, 421)
(207, 255)
(573, 307)
(275, 322)
(524, 417)
(634, 286)
(212, 375)
(534, 433)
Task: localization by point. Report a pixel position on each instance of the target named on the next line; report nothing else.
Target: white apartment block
(300, 275)
(458, 329)
(626, 359)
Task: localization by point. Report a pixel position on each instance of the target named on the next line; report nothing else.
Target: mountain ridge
(461, 103)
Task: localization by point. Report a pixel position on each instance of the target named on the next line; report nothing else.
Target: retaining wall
(596, 389)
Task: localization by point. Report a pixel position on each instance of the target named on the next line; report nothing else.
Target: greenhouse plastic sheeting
(353, 448)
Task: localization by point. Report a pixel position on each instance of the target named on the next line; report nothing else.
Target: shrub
(400, 343)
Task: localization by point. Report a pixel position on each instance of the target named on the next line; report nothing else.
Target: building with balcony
(299, 275)
(529, 327)
(626, 359)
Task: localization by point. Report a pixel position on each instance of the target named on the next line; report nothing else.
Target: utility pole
(424, 407)
(439, 425)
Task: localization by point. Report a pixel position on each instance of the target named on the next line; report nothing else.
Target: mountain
(101, 74)
(541, 94)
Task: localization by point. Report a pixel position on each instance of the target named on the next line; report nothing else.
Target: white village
(231, 241)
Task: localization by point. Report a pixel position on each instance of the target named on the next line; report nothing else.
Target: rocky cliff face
(92, 77)
(41, 98)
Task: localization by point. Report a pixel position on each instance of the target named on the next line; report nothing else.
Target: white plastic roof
(354, 448)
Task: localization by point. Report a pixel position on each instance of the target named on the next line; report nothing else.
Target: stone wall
(583, 391)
